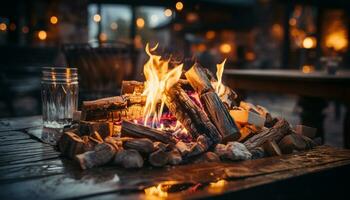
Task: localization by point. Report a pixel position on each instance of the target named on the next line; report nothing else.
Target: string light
(225, 48)
(53, 20)
(3, 27)
(179, 6)
(114, 26)
(25, 29)
(140, 22)
(309, 42)
(42, 35)
(97, 18)
(168, 12)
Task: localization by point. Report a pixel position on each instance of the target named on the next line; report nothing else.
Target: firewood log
(191, 116)
(104, 129)
(307, 131)
(271, 148)
(130, 129)
(129, 158)
(101, 155)
(142, 145)
(132, 87)
(160, 145)
(229, 96)
(174, 157)
(212, 104)
(158, 158)
(257, 153)
(277, 132)
(70, 144)
(206, 157)
(295, 142)
(89, 143)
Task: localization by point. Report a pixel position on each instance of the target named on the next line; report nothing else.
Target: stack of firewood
(219, 128)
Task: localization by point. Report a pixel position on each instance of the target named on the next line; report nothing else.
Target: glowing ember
(158, 79)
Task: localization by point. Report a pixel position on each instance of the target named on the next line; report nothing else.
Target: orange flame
(219, 87)
(158, 79)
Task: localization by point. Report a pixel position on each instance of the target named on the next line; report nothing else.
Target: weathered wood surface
(35, 170)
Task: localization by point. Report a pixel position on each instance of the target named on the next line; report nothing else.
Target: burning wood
(212, 104)
(170, 121)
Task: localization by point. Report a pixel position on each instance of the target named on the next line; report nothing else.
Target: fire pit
(177, 117)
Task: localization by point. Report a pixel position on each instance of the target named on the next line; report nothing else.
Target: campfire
(177, 117)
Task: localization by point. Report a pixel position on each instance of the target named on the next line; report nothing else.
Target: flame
(219, 87)
(158, 79)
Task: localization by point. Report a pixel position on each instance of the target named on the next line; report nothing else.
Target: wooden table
(30, 169)
(310, 85)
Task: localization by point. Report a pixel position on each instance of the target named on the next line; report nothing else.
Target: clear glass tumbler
(59, 93)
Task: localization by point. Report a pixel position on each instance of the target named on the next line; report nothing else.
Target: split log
(229, 96)
(108, 103)
(295, 142)
(129, 107)
(257, 153)
(132, 87)
(206, 157)
(215, 109)
(277, 132)
(191, 116)
(142, 145)
(307, 131)
(129, 158)
(158, 158)
(71, 144)
(271, 148)
(174, 157)
(104, 129)
(89, 143)
(101, 155)
(130, 129)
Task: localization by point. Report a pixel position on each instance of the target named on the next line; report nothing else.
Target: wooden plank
(103, 180)
(12, 124)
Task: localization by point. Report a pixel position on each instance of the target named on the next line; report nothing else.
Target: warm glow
(292, 22)
(225, 48)
(3, 27)
(210, 34)
(307, 69)
(177, 27)
(309, 42)
(103, 37)
(160, 191)
(168, 12)
(201, 47)
(97, 18)
(53, 20)
(25, 29)
(114, 26)
(219, 87)
(217, 187)
(140, 22)
(42, 35)
(158, 79)
(250, 56)
(179, 6)
(13, 26)
(337, 40)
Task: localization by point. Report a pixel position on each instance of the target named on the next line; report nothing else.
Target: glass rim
(59, 68)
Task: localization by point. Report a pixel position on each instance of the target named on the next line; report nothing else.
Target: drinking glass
(59, 93)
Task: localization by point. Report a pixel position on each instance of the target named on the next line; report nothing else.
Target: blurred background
(105, 40)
